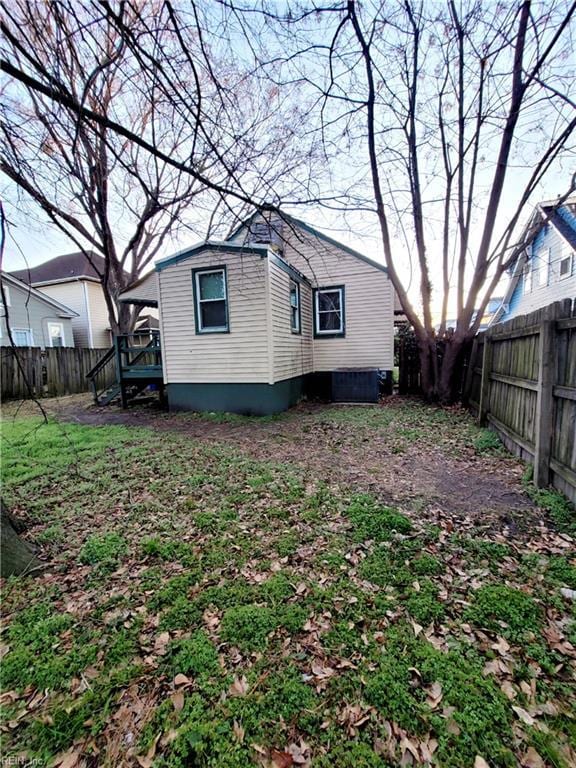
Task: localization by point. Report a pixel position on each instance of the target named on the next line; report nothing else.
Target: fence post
(545, 398)
(484, 404)
(470, 371)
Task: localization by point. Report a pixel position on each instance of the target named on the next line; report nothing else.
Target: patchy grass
(561, 511)
(228, 611)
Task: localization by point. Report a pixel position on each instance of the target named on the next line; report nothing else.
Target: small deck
(132, 365)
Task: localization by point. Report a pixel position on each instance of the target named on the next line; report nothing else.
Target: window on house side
(294, 307)
(528, 276)
(566, 266)
(541, 267)
(329, 311)
(211, 298)
(22, 337)
(56, 334)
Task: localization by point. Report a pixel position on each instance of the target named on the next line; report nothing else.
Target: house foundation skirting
(248, 399)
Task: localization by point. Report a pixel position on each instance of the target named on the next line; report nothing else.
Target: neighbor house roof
(547, 212)
(286, 217)
(143, 292)
(61, 309)
(68, 266)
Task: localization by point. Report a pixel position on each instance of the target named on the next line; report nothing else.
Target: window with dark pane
(329, 314)
(211, 300)
(294, 306)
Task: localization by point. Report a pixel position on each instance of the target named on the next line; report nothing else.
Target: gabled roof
(564, 228)
(61, 309)
(312, 231)
(68, 266)
(209, 245)
(143, 292)
(549, 213)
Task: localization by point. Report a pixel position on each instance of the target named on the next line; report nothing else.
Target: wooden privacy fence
(522, 381)
(50, 372)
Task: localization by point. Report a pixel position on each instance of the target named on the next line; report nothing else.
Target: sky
(31, 239)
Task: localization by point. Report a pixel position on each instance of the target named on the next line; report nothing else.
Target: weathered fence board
(33, 372)
(522, 382)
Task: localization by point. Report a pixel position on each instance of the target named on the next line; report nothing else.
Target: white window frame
(199, 300)
(541, 267)
(56, 324)
(331, 331)
(29, 333)
(295, 328)
(528, 276)
(570, 259)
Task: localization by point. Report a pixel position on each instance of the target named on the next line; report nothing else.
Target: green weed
(371, 520)
(505, 610)
(103, 548)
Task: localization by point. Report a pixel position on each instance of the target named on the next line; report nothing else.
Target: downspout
(87, 303)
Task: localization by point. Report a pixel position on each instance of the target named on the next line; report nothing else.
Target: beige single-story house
(33, 319)
(278, 310)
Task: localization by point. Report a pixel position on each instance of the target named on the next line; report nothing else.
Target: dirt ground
(437, 466)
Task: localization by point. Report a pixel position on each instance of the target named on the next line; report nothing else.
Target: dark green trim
(298, 277)
(313, 231)
(338, 334)
(261, 250)
(206, 332)
(248, 399)
(297, 284)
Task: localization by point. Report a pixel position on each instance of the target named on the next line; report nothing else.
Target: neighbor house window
(566, 265)
(541, 265)
(211, 300)
(329, 311)
(528, 276)
(294, 306)
(22, 337)
(56, 334)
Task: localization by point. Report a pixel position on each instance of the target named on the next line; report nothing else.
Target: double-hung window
(528, 276)
(211, 300)
(329, 312)
(56, 334)
(566, 266)
(22, 337)
(294, 306)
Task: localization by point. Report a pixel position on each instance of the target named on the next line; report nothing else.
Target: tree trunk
(439, 360)
(16, 555)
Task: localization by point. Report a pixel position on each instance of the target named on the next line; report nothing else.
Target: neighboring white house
(73, 280)
(34, 319)
(252, 323)
(546, 271)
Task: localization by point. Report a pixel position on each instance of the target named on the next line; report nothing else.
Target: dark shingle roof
(566, 230)
(64, 267)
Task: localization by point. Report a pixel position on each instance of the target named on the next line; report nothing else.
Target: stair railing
(99, 383)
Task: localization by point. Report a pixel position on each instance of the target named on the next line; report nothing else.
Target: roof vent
(267, 232)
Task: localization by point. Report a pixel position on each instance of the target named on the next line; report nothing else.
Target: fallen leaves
(239, 687)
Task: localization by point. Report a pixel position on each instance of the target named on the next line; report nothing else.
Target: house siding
(240, 356)
(98, 313)
(369, 300)
(556, 289)
(29, 312)
(291, 352)
(72, 295)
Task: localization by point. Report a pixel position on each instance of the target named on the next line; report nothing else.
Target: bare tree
(453, 116)
(153, 130)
